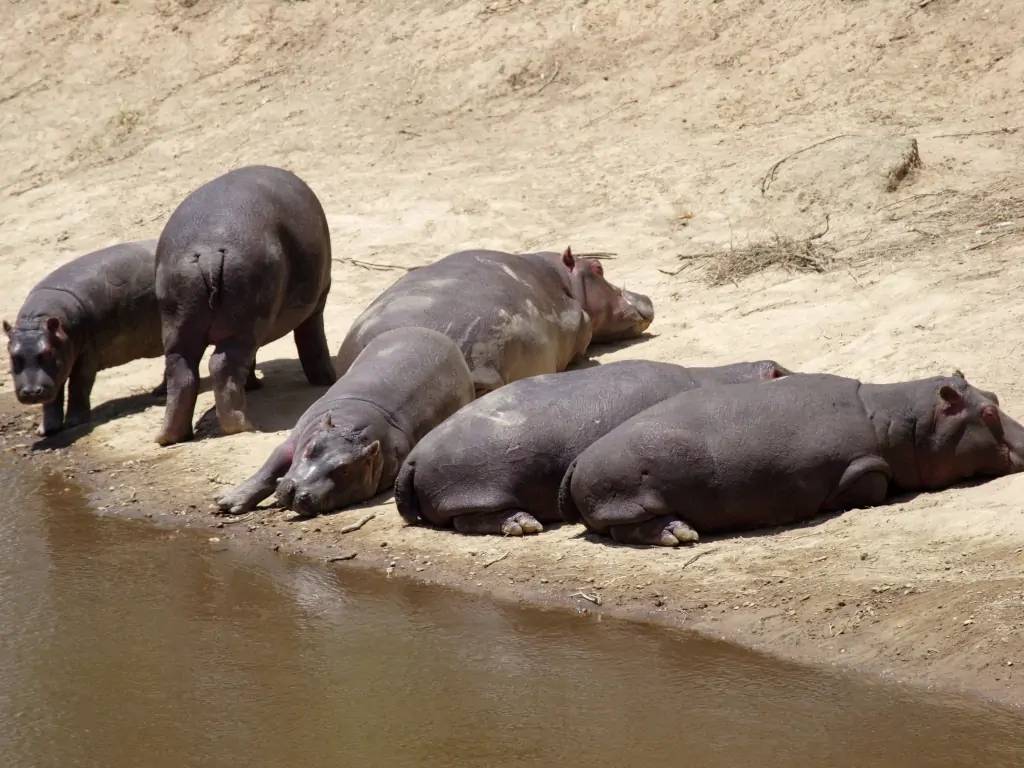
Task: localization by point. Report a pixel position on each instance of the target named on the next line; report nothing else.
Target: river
(126, 645)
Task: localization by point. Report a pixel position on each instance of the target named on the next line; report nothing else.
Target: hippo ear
(7, 328)
(953, 401)
(372, 450)
(990, 415)
(55, 328)
(568, 259)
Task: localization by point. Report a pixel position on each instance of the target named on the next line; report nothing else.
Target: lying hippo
(512, 315)
(349, 444)
(243, 260)
(495, 466)
(95, 312)
(743, 457)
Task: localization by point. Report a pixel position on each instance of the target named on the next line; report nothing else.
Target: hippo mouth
(38, 396)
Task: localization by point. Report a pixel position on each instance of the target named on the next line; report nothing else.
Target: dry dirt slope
(648, 129)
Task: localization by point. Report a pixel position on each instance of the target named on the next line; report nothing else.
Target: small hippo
(348, 445)
(744, 457)
(243, 260)
(512, 315)
(496, 465)
(95, 312)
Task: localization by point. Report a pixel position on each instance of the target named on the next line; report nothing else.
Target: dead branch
(603, 115)
(358, 523)
(340, 558)
(498, 559)
(773, 171)
(595, 599)
(371, 265)
(988, 242)
(975, 133)
(550, 80)
(697, 557)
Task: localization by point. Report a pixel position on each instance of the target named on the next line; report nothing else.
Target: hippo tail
(566, 506)
(405, 493)
(211, 267)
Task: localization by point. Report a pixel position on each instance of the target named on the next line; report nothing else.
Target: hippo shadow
(599, 348)
(101, 414)
(284, 395)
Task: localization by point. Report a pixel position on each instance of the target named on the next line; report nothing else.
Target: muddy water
(125, 645)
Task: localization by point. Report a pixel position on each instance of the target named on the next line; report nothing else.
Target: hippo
(95, 312)
(744, 457)
(512, 315)
(244, 260)
(349, 444)
(496, 465)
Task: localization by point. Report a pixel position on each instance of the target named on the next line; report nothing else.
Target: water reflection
(125, 645)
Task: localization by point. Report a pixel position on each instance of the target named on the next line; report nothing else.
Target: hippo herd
(451, 387)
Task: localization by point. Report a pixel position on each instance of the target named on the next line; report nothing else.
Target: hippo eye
(597, 269)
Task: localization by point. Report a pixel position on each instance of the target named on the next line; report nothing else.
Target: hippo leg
(246, 496)
(182, 377)
(662, 531)
(53, 415)
(230, 365)
(83, 376)
(865, 483)
(486, 380)
(507, 522)
(313, 353)
(252, 383)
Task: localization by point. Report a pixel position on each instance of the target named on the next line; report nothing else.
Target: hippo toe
(664, 531)
(505, 523)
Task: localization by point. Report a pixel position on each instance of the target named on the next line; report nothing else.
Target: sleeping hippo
(95, 312)
(495, 466)
(744, 457)
(244, 260)
(512, 315)
(348, 445)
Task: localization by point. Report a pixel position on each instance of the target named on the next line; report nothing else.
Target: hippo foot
(504, 523)
(48, 431)
(235, 422)
(76, 420)
(237, 501)
(166, 438)
(662, 531)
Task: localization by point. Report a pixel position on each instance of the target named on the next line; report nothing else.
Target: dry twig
(595, 599)
(358, 523)
(498, 559)
(697, 557)
(371, 265)
(550, 80)
(774, 170)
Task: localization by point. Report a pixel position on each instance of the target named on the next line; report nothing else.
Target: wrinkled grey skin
(95, 312)
(244, 260)
(746, 457)
(512, 315)
(496, 465)
(348, 445)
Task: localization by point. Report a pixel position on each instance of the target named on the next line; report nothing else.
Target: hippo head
(970, 436)
(40, 360)
(336, 468)
(615, 313)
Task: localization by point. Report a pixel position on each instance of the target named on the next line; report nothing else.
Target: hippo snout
(643, 306)
(305, 504)
(34, 395)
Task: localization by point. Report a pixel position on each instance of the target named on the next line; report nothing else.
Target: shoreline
(790, 612)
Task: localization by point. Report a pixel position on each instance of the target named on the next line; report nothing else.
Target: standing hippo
(348, 445)
(243, 260)
(95, 312)
(512, 315)
(744, 457)
(496, 465)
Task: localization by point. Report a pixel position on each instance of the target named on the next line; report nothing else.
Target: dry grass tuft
(778, 252)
